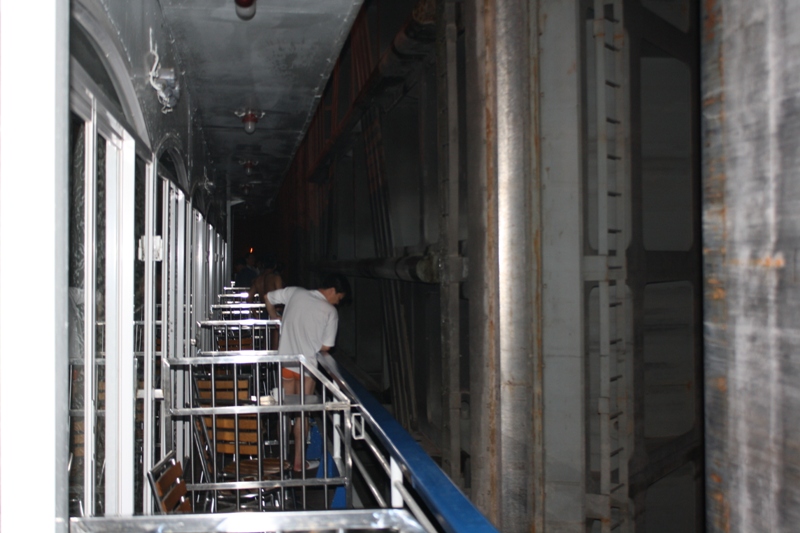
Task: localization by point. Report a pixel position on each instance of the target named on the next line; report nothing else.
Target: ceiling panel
(277, 64)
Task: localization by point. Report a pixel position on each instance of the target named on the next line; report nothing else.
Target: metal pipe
(417, 268)
(368, 125)
(394, 330)
(449, 182)
(504, 269)
(369, 481)
(481, 285)
(516, 263)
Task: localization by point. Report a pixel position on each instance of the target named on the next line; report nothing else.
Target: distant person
(248, 274)
(238, 266)
(310, 322)
(269, 280)
(251, 261)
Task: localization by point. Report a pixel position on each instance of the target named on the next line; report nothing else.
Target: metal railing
(233, 401)
(240, 418)
(389, 520)
(412, 492)
(239, 311)
(403, 475)
(232, 297)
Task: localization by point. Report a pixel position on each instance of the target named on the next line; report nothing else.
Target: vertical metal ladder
(608, 268)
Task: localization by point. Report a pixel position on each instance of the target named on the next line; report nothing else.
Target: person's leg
(309, 384)
(291, 385)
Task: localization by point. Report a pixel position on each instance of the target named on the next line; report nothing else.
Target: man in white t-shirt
(310, 322)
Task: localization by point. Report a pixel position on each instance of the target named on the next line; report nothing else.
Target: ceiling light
(249, 119)
(248, 166)
(245, 9)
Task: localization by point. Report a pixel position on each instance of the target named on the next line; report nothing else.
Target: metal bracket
(358, 426)
(158, 248)
(158, 394)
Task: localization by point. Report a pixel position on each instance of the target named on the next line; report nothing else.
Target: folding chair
(166, 480)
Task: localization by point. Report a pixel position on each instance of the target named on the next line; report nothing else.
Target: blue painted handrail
(449, 506)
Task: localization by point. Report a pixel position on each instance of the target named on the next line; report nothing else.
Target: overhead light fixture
(245, 9)
(248, 165)
(249, 120)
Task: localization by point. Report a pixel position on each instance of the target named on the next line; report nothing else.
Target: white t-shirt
(309, 323)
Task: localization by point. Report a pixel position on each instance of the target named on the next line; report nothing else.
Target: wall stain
(776, 262)
(711, 21)
(721, 514)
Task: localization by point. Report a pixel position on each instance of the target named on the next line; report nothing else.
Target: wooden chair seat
(166, 480)
(247, 436)
(225, 390)
(235, 344)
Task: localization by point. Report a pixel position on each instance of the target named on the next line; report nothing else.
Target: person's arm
(258, 286)
(271, 311)
(329, 333)
(273, 298)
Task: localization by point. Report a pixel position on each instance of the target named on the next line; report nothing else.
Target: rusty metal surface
(365, 74)
(448, 125)
(751, 231)
(481, 287)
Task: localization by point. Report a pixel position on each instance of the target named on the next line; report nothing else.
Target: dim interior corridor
(568, 228)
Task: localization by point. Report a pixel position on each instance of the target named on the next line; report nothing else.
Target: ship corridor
(569, 228)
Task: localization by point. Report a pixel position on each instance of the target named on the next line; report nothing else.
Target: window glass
(77, 226)
(675, 12)
(138, 325)
(99, 249)
(666, 127)
(669, 372)
(671, 502)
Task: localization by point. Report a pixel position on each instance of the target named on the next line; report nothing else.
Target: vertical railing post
(450, 264)
(89, 359)
(396, 478)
